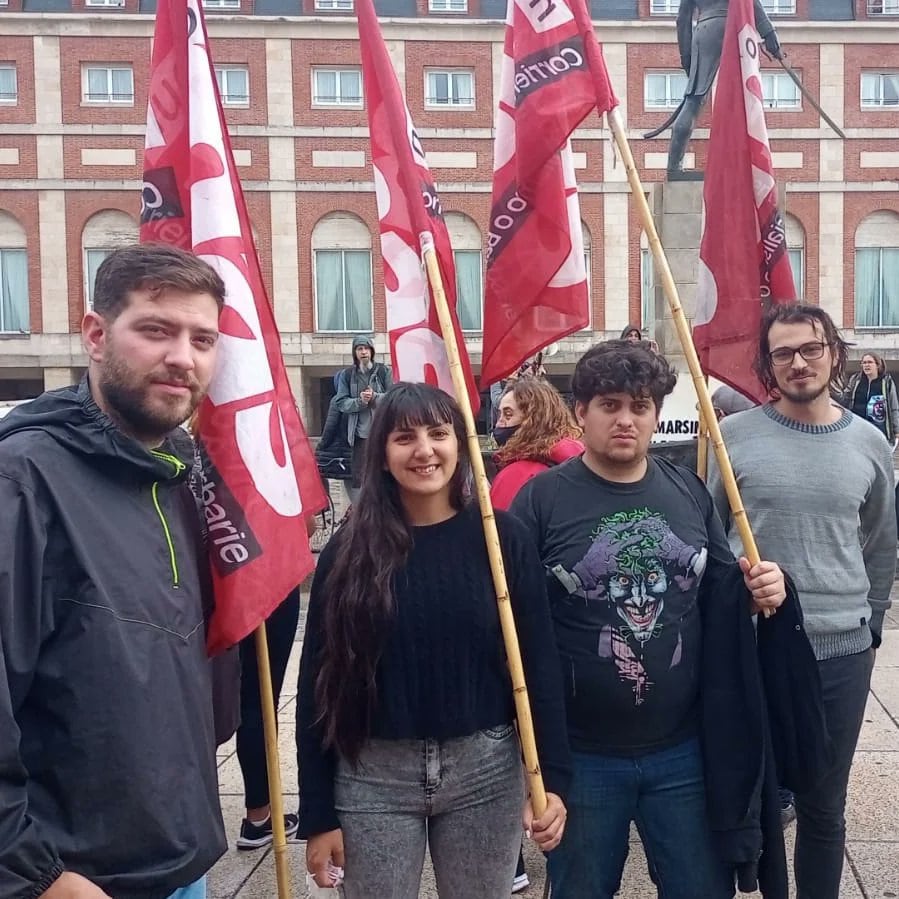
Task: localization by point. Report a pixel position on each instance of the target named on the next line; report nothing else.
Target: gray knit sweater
(821, 503)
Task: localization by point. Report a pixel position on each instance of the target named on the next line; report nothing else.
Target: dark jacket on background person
(333, 453)
(856, 399)
(762, 726)
(352, 381)
(107, 748)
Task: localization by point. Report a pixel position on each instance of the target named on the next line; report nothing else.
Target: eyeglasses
(784, 355)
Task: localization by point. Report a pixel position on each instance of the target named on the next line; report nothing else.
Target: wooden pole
(494, 549)
(686, 340)
(702, 449)
(272, 763)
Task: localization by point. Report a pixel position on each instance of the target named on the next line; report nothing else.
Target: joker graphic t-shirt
(624, 563)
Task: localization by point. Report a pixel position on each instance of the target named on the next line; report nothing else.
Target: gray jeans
(461, 798)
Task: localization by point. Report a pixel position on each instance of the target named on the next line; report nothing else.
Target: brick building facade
(73, 95)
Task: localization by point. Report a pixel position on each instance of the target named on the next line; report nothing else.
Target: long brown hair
(545, 420)
(372, 549)
(878, 361)
(794, 314)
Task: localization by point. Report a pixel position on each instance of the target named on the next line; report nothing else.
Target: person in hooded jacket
(535, 431)
(359, 387)
(108, 783)
(633, 334)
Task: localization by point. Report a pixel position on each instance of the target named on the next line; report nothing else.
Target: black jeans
(820, 822)
(358, 460)
(281, 629)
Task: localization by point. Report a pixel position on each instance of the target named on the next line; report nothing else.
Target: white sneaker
(521, 882)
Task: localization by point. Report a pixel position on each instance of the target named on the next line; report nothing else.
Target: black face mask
(502, 435)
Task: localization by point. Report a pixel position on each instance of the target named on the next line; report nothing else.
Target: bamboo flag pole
(272, 763)
(494, 550)
(702, 448)
(686, 340)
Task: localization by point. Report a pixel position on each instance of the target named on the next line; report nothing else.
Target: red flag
(411, 218)
(553, 74)
(259, 478)
(743, 257)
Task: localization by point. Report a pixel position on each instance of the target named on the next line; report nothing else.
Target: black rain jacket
(107, 750)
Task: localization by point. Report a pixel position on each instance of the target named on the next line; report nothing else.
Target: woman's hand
(546, 831)
(321, 849)
(765, 582)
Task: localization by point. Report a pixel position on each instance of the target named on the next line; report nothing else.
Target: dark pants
(281, 629)
(358, 462)
(664, 793)
(820, 823)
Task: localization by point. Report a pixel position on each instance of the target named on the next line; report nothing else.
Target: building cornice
(419, 29)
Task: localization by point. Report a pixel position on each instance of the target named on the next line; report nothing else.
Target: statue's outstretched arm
(766, 30)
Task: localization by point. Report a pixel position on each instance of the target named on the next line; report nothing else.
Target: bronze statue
(700, 53)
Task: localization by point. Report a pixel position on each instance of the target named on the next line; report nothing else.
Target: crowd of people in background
(674, 685)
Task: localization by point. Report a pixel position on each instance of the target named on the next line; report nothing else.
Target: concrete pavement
(872, 852)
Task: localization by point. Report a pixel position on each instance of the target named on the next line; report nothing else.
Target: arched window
(14, 312)
(877, 271)
(341, 257)
(103, 232)
(796, 251)
(465, 236)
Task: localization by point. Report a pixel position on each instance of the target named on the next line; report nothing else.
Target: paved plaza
(872, 852)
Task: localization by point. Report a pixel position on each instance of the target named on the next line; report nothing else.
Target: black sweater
(443, 672)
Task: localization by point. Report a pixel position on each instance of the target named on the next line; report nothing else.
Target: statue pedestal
(685, 175)
(677, 209)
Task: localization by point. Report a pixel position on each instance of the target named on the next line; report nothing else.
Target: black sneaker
(787, 808)
(255, 836)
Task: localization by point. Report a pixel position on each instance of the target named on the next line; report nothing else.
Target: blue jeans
(460, 798)
(197, 890)
(664, 793)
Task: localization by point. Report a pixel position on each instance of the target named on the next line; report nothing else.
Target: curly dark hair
(794, 314)
(619, 366)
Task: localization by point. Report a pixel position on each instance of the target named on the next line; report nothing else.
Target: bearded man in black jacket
(108, 782)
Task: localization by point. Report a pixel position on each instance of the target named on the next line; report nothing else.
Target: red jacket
(515, 475)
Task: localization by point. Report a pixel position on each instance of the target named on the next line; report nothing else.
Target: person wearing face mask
(535, 431)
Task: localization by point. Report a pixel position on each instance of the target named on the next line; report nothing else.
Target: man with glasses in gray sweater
(817, 483)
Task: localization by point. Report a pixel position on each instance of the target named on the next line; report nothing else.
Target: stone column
(678, 216)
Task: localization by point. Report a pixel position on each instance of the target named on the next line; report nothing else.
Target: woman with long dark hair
(405, 734)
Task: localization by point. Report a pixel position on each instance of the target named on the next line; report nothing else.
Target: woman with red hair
(535, 431)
